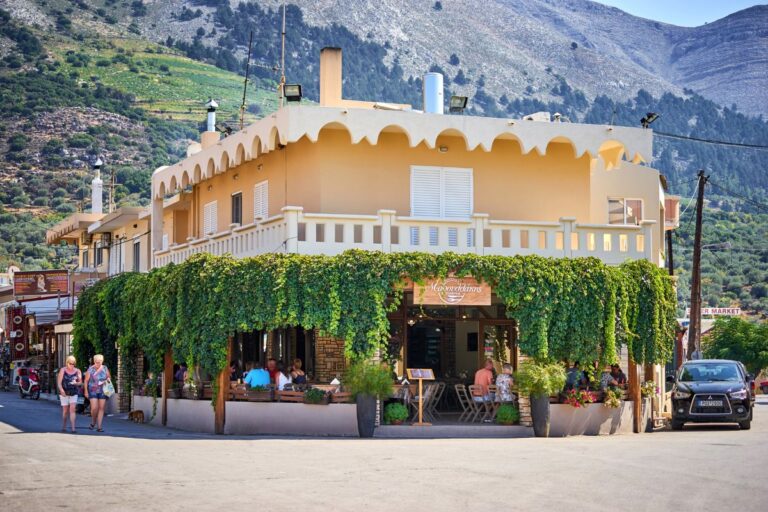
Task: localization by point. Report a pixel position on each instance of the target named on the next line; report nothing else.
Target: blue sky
(686, 13)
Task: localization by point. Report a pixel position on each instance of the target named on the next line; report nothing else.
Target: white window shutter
(457, 193)
(425, 192)
(210, 218)
(165, 241)
(261, 201)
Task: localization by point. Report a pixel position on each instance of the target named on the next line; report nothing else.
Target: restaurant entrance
(451, 340)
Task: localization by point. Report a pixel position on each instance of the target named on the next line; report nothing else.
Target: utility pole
(694, 327)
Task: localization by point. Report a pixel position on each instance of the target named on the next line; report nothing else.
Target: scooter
(29, 383)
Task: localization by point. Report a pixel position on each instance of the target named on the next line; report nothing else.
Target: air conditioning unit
(86, 238)
(106, 239)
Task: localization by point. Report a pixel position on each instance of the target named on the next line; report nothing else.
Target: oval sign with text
(453, 291)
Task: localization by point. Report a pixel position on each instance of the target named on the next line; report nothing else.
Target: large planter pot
(540, 415)
(366, 415)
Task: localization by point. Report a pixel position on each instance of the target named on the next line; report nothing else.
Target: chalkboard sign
(420, 373)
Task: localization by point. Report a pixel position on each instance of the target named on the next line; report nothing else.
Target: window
(99, 256)
(625, 211)
(210, 217)
(261, 201)
(237, 208)
(86, 259)
(137, 256)
(441, 192)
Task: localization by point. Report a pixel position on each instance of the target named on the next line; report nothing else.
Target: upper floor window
(86, 259)
(136, 256)
(261, 201)
(625, 211)
(237, 208)
(99, 255)
(210, 218)
(441, 192)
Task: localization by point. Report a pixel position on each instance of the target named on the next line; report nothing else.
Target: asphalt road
(138, 467)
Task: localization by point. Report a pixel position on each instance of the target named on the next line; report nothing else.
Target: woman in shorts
(68, 381)
(95, 378)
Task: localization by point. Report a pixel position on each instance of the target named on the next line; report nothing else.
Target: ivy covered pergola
(574, 309)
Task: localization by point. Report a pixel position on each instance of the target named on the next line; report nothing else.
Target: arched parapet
(223, 163)
(314, 136)
(185, 180)
(210, 169)
(173, 186)
(507, 136)
(611, 152)
(240, 156)
(161, 190)
(197, 175)
(373, 136)
(448, 132)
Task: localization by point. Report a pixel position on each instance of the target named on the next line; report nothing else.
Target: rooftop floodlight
(457, 104)
(98, 163)
(292, 92)
(649, 118)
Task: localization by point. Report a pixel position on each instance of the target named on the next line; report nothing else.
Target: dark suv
(712, 391)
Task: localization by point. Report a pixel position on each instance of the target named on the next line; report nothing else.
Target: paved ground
(137, 467)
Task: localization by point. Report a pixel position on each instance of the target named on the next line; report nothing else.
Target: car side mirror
(750, 377)
(670, 379)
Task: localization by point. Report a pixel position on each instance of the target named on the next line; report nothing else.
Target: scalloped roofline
(292, 123)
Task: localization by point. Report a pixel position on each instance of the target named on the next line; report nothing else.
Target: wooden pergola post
(634, 395)
(221, 396)
(167, 382)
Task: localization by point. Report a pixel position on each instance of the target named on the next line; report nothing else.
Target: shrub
(540, 379)
(366, 378)
(507, 415)
(395, 413)
(314, 396)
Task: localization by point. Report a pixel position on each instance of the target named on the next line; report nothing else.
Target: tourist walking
(96, 378)
(68, 382)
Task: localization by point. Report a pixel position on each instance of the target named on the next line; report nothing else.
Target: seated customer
(283, 377)
(607, 380)
(574, 377)
(258, 376)
(297, 374)
(272, 369)
(504, 383)
(483, 378)
(618, 376)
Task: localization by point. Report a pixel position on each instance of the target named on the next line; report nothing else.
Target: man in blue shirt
(258, 376)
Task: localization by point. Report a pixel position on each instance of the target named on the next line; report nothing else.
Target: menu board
(420, 373)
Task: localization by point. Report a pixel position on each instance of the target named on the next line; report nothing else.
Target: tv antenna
(245, 82)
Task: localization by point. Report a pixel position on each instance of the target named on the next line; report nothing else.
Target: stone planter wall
(191, 415)
(248, 418)
(592, 420)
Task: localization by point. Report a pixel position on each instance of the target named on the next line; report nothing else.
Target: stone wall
(123, 396)
(329, 358)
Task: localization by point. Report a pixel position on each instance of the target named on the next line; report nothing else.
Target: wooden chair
(467, 409)
(479, 402)
(435, 400)
(429, 392)
(492, 405)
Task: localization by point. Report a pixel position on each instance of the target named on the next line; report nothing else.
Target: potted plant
(316, 396)
(395, 413)
(612, 398)
(539, 380)
(578, 398)
(368, 382)
(260, 394)
(507, 415)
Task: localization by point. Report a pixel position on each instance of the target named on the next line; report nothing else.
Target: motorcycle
(29, 383)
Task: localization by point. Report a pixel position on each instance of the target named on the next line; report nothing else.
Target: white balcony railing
(311, 233)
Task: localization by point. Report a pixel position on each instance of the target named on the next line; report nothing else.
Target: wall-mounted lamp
(259, 167)
(443, 149)
(236, 177)
(511, 123)
(210, 187)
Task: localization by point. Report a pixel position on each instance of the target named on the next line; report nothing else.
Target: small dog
(136, 416)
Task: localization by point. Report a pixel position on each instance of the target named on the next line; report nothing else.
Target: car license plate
(711, 403)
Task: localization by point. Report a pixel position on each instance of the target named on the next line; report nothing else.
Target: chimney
(330, 77)
(432, 92)
(210, 136)
(97, 188)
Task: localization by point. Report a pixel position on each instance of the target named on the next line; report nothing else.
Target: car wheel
(745, 425)
(677, 425)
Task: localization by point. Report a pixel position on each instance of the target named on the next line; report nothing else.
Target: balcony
(311, 233)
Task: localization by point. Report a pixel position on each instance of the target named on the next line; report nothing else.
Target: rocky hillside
(523, 47)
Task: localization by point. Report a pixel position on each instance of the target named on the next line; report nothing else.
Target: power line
(744, 198)
(711, 141)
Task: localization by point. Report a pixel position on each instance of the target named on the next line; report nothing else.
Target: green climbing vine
(566, 308)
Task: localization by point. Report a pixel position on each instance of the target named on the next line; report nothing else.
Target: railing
(313, 233)
(243, 241)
